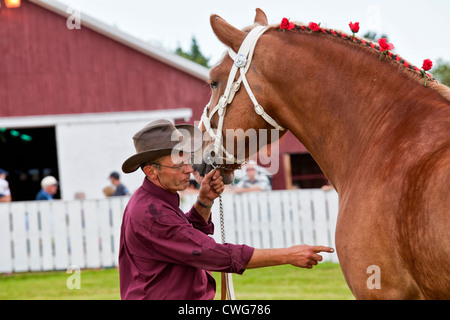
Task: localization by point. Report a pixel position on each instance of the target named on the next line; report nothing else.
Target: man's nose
(188, 168)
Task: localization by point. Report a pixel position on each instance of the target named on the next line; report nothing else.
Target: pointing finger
(318, 249)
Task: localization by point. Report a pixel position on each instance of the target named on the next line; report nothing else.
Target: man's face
(114, 181)
(51, 189)
(174, 176)
(251, 171)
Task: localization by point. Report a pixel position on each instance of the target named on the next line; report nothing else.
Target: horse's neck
(344, 100)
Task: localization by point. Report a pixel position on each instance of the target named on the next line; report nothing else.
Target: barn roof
(94, 24)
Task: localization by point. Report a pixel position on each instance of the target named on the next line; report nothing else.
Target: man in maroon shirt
(166, 254)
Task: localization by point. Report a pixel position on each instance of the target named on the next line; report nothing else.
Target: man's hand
(305, 256)
(210, 187)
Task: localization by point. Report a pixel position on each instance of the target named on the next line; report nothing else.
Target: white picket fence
(53, 235)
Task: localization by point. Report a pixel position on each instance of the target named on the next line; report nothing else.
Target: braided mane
(416, 72)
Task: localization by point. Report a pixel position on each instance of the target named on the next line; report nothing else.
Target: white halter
(242, 62)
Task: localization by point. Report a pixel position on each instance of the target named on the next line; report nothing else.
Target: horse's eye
(214, 84)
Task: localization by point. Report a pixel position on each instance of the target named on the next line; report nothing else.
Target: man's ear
(150, 172)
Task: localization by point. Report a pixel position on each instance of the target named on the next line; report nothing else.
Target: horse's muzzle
(208, 162)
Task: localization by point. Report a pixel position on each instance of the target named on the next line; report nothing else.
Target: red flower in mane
(354, 27)
(427, 64)
(384, 46)
(286, 25)
(314, 26)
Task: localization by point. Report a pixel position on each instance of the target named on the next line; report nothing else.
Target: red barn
(70, 100)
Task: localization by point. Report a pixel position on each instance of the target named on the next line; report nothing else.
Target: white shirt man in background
(5, 193)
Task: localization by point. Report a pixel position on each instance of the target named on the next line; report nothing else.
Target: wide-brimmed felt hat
(160, 138)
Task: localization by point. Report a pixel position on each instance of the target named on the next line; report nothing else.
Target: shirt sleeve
(263, 183)
(199, 223)
(175, 240)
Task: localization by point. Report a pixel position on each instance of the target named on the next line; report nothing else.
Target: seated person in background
(5, 193)
(327, 186)
(109, 191)
(121, 190)
(252, 181)
(49, 187)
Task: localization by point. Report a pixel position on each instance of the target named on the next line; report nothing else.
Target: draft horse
(380, 136)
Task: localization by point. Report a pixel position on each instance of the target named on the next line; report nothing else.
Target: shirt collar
(171, 198)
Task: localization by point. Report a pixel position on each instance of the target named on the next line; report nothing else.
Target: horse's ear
(261, 17)
(229, 35)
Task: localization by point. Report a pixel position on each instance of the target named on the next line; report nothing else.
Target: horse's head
(236, 119)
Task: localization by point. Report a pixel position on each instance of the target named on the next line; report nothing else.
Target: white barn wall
(88, 153)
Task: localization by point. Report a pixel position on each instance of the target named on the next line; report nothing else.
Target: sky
(418, 29)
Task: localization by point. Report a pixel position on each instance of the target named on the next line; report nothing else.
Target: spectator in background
(121, 190)
(49, 187)
(109, 191)
(252, 181)
(327, 186)
(5, 193)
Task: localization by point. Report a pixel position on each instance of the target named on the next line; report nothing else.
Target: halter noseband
(242, 62)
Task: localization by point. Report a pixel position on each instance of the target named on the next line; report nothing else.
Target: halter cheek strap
(242, 61)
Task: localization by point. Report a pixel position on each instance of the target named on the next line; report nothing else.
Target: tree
(442, 72)
(372, 36)
(194, 55)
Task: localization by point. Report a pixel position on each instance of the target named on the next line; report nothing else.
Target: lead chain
(222, 222)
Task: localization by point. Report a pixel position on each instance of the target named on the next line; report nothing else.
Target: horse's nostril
(210, 158)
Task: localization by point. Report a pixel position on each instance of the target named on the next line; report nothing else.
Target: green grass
(95, 285)
(324, 281)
